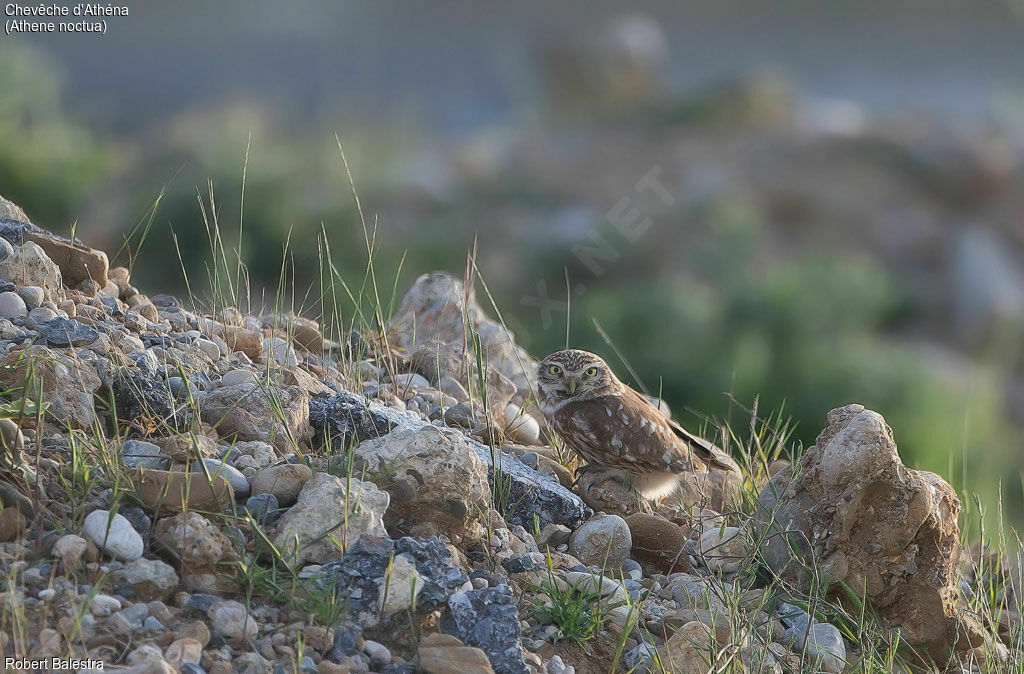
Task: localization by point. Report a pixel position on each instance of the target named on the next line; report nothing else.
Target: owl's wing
(704, 450)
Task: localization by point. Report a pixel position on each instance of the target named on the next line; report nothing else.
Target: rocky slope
(236, 493)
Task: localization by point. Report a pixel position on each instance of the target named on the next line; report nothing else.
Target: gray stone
(12, 306)
(142, 454)
(263, 508)
(364, 577)
(33, 296)
(217, 467)
(823, 642)
(64, 332)
(603, 542)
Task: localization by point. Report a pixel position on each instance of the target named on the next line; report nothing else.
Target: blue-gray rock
(151, 624)
(142, 454)
(201, 602)
(64, 332)
(345, 639)
(264, 508)
(637, 658)
(488, 619)
(191, 668)
(532, 497)
(361, 574)
(307, 665)
(519, 564)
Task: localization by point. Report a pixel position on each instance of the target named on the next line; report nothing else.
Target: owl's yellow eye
(554, 369)
(591, 372)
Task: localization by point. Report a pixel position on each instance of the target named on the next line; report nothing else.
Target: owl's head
(574, 374)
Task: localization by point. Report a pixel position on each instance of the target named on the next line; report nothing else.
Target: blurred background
(813, 203)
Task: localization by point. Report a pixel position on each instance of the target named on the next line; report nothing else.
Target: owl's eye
(591, 372)
(554, 369)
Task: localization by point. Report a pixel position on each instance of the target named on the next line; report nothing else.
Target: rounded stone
(12, 306)
(237, 377)
(658, 543)
(217, 467)
(284, 481)
(521, 427)
(603, 542)
(233, 622)
(33, 296)
(6, 249)
(722, 549)
(115, 536)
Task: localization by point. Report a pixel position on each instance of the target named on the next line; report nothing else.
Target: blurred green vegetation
(806, 332)
(47, 161)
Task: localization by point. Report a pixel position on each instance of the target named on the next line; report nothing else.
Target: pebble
(233, 622)
(33, 296)
(280, 350)
(603, 541)
(460, 415)
(119, 540)
(237, 377)
(722, 549)
(12, 306)
(6, 249)
(217, 467)
(103, 605)
(378, 652)
(521, 426)
(284, 481)
(263, 507)
(64, 332)
(209, 347)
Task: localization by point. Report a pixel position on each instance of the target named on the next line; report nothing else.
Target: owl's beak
(572, 385)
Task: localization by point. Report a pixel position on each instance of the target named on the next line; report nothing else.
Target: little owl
(611, 425)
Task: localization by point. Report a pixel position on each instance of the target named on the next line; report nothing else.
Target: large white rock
(233, 622)
(30, 266)
(433, 475)
(115, 537)
(329, 514)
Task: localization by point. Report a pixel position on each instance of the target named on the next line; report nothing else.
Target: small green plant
(576, 612)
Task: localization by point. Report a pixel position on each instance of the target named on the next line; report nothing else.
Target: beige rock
(251, 411)
(182, 651)
(249, 342)
(195, 540)
(432, 475)
(172, 491)
(62, 380)
(722, 548)
(691, 650)
(330, 512)
(30, 266)
(658, 543)
(183, 447)
(150, 579)
(77, 263)
(429, 324)
(875, 525)
(443, 654)
(12, 211)
(12, 524)
(284, 481)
